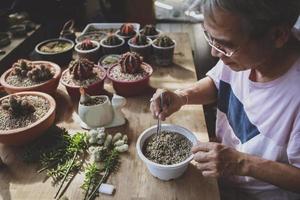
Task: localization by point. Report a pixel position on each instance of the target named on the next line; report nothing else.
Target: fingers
(202, 157)
(203, 146)
(155, 107)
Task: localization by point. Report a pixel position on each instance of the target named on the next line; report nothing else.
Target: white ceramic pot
(96, 115)
(91, 54)
(165, 172)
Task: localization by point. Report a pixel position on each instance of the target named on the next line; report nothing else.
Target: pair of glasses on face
(212, 42)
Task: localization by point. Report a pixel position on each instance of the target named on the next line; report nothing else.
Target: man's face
(227, 32)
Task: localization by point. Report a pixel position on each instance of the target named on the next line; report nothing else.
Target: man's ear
(280, 35)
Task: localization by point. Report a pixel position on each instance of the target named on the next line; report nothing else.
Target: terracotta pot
(95, 88)
(91, 54)
(142, 50)
(130, 88)
(26, 134)
(48, 87)
(61, 58)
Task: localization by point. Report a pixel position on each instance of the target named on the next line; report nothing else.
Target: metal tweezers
(158, 129)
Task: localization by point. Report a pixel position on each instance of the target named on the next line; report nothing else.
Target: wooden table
(132, 181)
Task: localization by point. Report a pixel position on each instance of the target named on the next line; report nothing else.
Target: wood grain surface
(132, 180)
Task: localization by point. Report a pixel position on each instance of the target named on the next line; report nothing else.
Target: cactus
(36, 73)
(21, 68)
(130, 63)
(112, 40)
(17, 106)
(127, 30)
(164, 41)
(139, 40)
(150, 30)
(87, 44)
(40, 73)
(81, 69)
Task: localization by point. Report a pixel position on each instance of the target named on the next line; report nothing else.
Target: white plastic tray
(106, 27)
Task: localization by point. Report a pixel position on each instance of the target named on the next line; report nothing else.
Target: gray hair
(259, 15)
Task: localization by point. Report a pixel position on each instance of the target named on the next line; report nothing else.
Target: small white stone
(106, 188)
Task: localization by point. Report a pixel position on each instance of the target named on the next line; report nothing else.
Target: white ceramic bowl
(96, 115)
(165, 172)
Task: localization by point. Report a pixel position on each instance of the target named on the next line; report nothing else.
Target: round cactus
(87, 44)
(112, 40)
(81, 69)
(130, 63)
(139, 40)
(127, 30)
(21, 68)
(164, 41)
(150, 30)
(17, 106)
(40, 73)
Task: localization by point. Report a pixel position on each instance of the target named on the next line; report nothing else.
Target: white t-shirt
(261, 119)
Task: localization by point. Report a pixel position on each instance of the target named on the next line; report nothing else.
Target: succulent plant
(130, 63)
(81, 69)
(139, 40)
(127, 30)
(87, 44)
(164, 41)
(40, 73)
(150, 29)
(17, 106)
(25, 68)
(112, 40)
(21, 68)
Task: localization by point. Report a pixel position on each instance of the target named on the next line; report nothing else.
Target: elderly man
(256, 85)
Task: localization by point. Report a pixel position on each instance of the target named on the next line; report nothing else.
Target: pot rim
(96, 105)
(44, 118)
(87, 51)
(53, 65)
(140, 46)
(152, 36)
(108, 46)
(133, 81)
(94, 83)
(157, 47)
(147, 161)
(126, 37)
(37, 47)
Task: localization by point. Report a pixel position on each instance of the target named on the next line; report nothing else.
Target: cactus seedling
(150, 29)
(164, 41)
(127, 30)
(81, 69)
(140, 40)
(112, 40)
(35, 72)
(87, 44)
(130, 62)
(17, 106)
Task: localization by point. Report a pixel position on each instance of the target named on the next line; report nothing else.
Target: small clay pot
(26, 134)
(163, 56)
(4, 39)
(142, 50)
(90, 54)
(152, 37)
(133, 87)
(116, 49)
(48, 86)
(18, 30)
(114, 58)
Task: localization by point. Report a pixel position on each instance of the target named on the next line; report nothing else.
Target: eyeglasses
(212, 42)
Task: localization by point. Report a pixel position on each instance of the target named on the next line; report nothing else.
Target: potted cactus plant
(150, 31)
(141, 45)
(163, 50)
(126, 32)
(27, 75)
(24, 116)
(130, 76)
(112, 44)
(83, 73)
(88, 49)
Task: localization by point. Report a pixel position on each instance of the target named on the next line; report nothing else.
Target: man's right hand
(172, 102)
